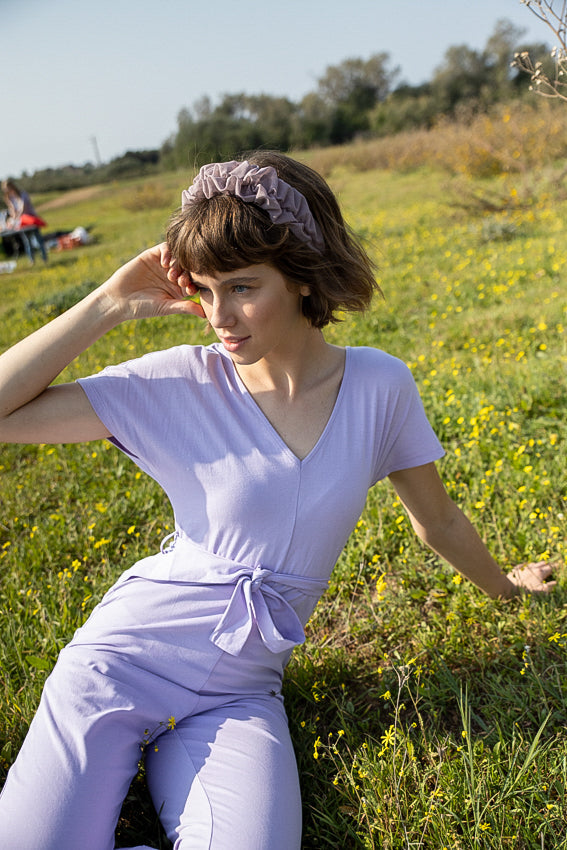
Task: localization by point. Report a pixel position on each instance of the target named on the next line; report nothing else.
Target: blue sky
(119, 71)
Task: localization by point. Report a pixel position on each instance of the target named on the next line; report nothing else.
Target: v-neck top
(237, 490)
(266, 422)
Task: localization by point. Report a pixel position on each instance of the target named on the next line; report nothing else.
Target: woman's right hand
(31, 410)
(151, 285)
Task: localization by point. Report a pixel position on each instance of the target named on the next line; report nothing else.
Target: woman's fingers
(534, 576)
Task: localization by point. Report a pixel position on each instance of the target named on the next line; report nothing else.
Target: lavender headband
(260, 186)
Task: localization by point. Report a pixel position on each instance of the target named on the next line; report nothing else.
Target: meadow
(424, 714)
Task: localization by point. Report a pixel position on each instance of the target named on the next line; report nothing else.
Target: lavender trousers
(224, 778)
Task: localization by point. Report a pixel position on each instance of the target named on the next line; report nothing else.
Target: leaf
(37, 662)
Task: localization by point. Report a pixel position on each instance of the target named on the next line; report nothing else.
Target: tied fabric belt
(255, 600)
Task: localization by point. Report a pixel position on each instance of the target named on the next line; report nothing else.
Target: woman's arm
(438, 521)
(31, 410)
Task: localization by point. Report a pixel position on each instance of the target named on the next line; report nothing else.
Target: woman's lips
(234, 343)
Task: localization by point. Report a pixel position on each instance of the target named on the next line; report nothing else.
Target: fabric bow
(278, 624)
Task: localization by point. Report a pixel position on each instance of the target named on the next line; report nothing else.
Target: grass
(424, 715)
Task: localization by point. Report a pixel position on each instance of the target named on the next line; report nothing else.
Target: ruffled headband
(260, 186)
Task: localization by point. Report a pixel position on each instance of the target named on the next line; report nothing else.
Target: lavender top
(239, 494)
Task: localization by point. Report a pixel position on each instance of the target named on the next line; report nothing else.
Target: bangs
(224, 233)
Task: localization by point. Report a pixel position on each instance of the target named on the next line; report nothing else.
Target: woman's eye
(241, 289)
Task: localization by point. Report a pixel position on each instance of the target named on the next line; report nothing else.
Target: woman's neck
(307, 363)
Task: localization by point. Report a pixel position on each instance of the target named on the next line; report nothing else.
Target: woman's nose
(221, 315)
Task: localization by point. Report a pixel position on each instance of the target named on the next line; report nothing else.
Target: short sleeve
(403, 436)
(136, 401)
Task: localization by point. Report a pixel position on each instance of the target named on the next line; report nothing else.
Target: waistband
(255, 601)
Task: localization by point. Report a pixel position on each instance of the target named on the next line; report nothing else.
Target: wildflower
(316, 746)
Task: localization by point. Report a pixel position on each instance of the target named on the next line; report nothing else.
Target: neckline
(276, 436)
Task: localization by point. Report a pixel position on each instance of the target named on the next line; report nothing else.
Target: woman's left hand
(532, 578)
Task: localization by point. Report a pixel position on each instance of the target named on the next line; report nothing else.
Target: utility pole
(96, 151)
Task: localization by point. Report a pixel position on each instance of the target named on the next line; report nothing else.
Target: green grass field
(424, 714)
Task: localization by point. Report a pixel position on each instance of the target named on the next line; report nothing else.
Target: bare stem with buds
(557, 22)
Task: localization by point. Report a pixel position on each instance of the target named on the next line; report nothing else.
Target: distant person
(21, 214)
(21, 211)
(266, 443)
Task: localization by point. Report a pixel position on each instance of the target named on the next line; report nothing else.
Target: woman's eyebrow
(231, 281)
(240, 279)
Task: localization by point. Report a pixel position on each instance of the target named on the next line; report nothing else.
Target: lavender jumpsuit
(201, 632)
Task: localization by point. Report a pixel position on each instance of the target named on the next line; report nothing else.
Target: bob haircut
(224, 233)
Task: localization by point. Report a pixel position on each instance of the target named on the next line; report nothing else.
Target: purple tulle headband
(260, 186)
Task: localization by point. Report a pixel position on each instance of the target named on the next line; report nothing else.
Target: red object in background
(30, 220)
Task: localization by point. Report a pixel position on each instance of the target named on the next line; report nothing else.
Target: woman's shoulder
(368, 361)
(182, 356)
(177, 361)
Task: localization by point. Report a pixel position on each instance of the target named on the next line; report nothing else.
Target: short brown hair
(224, 233)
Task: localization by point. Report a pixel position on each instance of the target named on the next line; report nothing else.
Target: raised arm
(31, 411)
(440, 523)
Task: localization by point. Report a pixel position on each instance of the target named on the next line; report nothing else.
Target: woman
(22, 214)
(266, 443)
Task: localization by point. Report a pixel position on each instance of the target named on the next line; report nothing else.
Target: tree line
(358, 98)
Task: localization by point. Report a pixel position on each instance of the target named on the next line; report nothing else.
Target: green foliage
(351, 90)
(401, 657)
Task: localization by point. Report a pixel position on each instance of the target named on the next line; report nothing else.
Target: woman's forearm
(31, 365)
(458, 543)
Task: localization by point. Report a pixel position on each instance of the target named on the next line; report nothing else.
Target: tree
(498, 56)
(236, 124)
(406, 108)
(480, 77)
(350, 90)
(463, 75)
(312, 122)
(358, 82)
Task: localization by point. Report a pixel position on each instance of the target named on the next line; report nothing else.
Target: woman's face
(252, 312)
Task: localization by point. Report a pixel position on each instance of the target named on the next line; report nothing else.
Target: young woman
(266, 443)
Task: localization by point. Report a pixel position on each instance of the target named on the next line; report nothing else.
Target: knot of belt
(256, 602)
